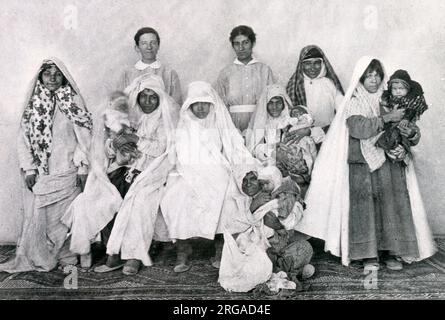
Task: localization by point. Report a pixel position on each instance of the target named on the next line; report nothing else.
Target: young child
(288, 251)
(299, 156)
(120, 136)
(402, 93)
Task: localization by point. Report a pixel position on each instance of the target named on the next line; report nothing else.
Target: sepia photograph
(222, 150)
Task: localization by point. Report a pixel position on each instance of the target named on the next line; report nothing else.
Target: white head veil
(261, 121)
(86, 226)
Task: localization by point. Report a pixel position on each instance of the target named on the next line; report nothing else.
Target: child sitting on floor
(289, 251)
(402, 93)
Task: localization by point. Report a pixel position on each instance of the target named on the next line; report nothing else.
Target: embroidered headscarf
(37, 118)
(295, 86)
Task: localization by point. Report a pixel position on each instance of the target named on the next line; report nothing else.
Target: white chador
(210, 155)
(137, 214)
(327, 199)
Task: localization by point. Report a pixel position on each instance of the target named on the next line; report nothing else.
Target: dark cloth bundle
(413, 103)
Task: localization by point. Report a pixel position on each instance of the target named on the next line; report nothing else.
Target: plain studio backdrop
(95, 41)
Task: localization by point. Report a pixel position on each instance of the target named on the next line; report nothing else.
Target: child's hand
(394, 116)
(407, 131)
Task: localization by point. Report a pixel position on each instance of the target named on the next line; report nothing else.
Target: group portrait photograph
(216, 150)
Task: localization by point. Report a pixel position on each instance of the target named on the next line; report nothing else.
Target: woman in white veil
(333, 199)
(53, 143)
(131, 215)
(210, 155)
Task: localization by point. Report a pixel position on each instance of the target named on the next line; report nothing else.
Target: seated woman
(129, 225)
(209, 153)
(53, 143)
(240, 84)
(316, 86)
(267, 136)
(372, 209)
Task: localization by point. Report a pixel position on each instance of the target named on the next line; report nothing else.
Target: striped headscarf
(295, 86)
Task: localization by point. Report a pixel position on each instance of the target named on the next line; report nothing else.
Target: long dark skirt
(118, 179)
(380, 217)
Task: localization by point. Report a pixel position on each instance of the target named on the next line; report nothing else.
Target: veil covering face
(328, 219)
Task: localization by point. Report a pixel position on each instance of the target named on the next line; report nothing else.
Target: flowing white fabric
(40, 244)
(135, 222)
(137, 213)
(322, 97)
(262, 125)
(210, 154)
(327, 199)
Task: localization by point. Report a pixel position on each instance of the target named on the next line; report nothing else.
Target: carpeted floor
(423, 280)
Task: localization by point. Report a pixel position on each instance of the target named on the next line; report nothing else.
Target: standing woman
(241, 83)
(372, 209)
(316, 86)
(53, 143)
(147, 42)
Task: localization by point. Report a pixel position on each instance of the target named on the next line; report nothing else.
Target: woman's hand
(407, 131)
(297, 135)
(281, 153)
(81, 180)
(260, 200)
(127, 148)
(394, 116)
(30, 180)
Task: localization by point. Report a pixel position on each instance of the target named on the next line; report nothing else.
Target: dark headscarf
(295, 86)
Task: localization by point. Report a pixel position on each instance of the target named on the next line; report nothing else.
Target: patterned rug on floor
(423, 280)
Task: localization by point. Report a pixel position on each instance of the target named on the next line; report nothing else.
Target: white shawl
(97, 205)
(327, 199)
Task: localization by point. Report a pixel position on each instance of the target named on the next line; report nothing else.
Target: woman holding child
(267, 136)
(129, 172)
(372, 209)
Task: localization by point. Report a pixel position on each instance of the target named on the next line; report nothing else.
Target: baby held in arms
(402, 93)
(121, 142)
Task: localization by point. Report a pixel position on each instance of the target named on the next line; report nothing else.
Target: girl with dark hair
(240, 84)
